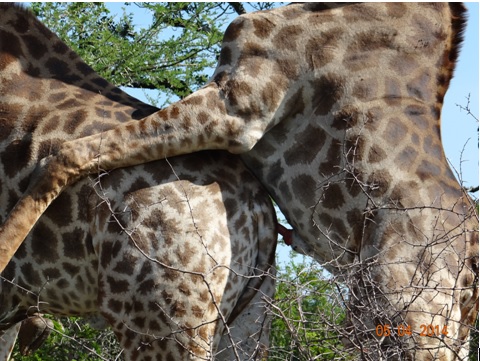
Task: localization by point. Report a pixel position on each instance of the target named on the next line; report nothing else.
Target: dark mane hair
(459, 23)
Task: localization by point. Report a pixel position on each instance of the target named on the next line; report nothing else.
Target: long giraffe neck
(360, 129)
(48, 95)
(31, 52)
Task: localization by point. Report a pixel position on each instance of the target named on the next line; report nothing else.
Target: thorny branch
(322, 309)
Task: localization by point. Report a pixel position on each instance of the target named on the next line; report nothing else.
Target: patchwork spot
(44, 244)
(32, 274)
(126, 265)
(405, 65)
(271, 96)
(418, 115)
(275, 173)
(395, 131)
(225, 56)
(395, 10)
(365, 89)
(71, 244)
(238, 91)
(376, 154)
(262, 27)
(70, 269)
(333, 197)
(393, 91)
(421, 87)
(11, 49)
(320, 50)
(307, 146)
(333, 160)
(402, 189)
(303, 186)
(35, 47)
(60, 48)
(379, 183)
(287, 38)
(57, 67)
(234, 29)
(433, 147)
(114, 306)
(16, 155)
(428, 170)
(406, 158)
(327, 90)
(117, 286)
(294, 106)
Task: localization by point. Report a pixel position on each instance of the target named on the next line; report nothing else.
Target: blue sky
(458, 128)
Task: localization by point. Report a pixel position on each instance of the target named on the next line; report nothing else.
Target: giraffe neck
(48, 95)
(362, 130)
(31, 56)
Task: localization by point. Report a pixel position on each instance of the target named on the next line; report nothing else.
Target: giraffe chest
(308, 175)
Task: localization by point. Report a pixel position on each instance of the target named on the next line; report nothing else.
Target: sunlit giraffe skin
(176, 255)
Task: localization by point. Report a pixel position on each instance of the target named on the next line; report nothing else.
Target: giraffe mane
(459, 21)
(459, 25)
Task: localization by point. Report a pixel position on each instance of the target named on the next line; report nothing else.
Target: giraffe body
(156, 260)
(337, 112)
(176, 254)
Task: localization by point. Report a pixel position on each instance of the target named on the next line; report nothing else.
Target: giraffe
(336, 110)
(177, 255)
(31, 333)
(7, 342)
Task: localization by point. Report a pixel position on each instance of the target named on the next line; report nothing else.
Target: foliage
(307, 314)
(172, 50)
(474, 343)
(73, 339)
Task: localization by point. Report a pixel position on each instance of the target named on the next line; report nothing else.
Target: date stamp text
(387, 330)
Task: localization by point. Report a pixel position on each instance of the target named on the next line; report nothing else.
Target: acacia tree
(308, 313)
(172, 51)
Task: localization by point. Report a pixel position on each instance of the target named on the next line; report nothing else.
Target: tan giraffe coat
(176, 255)
(337, 111)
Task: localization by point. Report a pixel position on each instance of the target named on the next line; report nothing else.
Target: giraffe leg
(248, 335)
